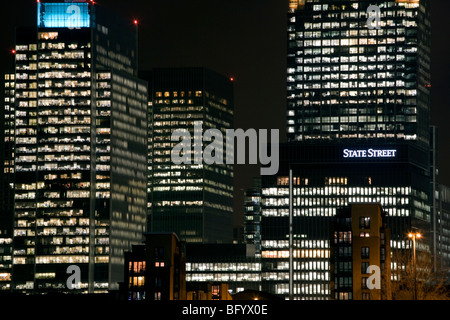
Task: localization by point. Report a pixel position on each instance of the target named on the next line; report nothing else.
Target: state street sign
(369, 153)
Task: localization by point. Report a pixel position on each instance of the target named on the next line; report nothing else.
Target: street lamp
(414, 235)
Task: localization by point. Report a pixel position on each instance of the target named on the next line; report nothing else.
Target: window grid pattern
(347, 81)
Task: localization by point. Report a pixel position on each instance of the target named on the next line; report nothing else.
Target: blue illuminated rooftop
(73, 15)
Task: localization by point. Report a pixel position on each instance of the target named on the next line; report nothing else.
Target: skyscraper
(194, 199)
(358, 101)
(348, 79)
(252, 215)
(6, 180)
(79, 148)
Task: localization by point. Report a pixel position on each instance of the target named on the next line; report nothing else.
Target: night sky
(245, 39)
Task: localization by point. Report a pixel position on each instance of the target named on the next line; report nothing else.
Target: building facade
(79, 148)
(325, 178)
(358, 101)
(360, 254)
(252, 215)
(160, 270)
(442, 244)
(194, 199)
(156, 269)
(352, 79)
(6, 180)
(235, 264)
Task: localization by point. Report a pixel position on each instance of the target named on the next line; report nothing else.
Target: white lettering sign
(369, 153)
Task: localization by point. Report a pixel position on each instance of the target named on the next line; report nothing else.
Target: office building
(352, 79)
(327, 176)
(252, 215)
(360, 254)
(358, 101)
(6, 180)
(440, 241)
(234, 264)
(79, 148)
(158, 270)
(442, 244)
(194, 199)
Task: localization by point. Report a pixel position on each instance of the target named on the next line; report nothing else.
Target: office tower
(358, 131)
(79, 154)
(6, 149)
(324, 179)
(194, 199)
(252, 215)
(6, 180)
(352, 79)
(442, 244)
(438, 240)
(155, 270)
(360, 242)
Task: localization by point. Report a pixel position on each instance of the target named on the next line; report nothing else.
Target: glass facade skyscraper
(193, 200)
(348, 81)
(358, 101)
(323, 181)
(6, 180)
(80, 136)
(252, 216)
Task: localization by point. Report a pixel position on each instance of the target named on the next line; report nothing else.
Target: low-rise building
(156, 269)
(360, 254)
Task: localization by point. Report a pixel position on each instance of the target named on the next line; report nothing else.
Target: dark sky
(245, 39)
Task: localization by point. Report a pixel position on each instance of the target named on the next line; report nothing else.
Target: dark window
(345, 251)
(364, 283)
(157, 282)
(365, 252)
(159, 253)
(364, 267)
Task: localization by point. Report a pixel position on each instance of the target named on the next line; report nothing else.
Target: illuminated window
(364, 222)
(137, 266)
(136, 281)
(282, 181)
(47, 35)
(63, 15)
